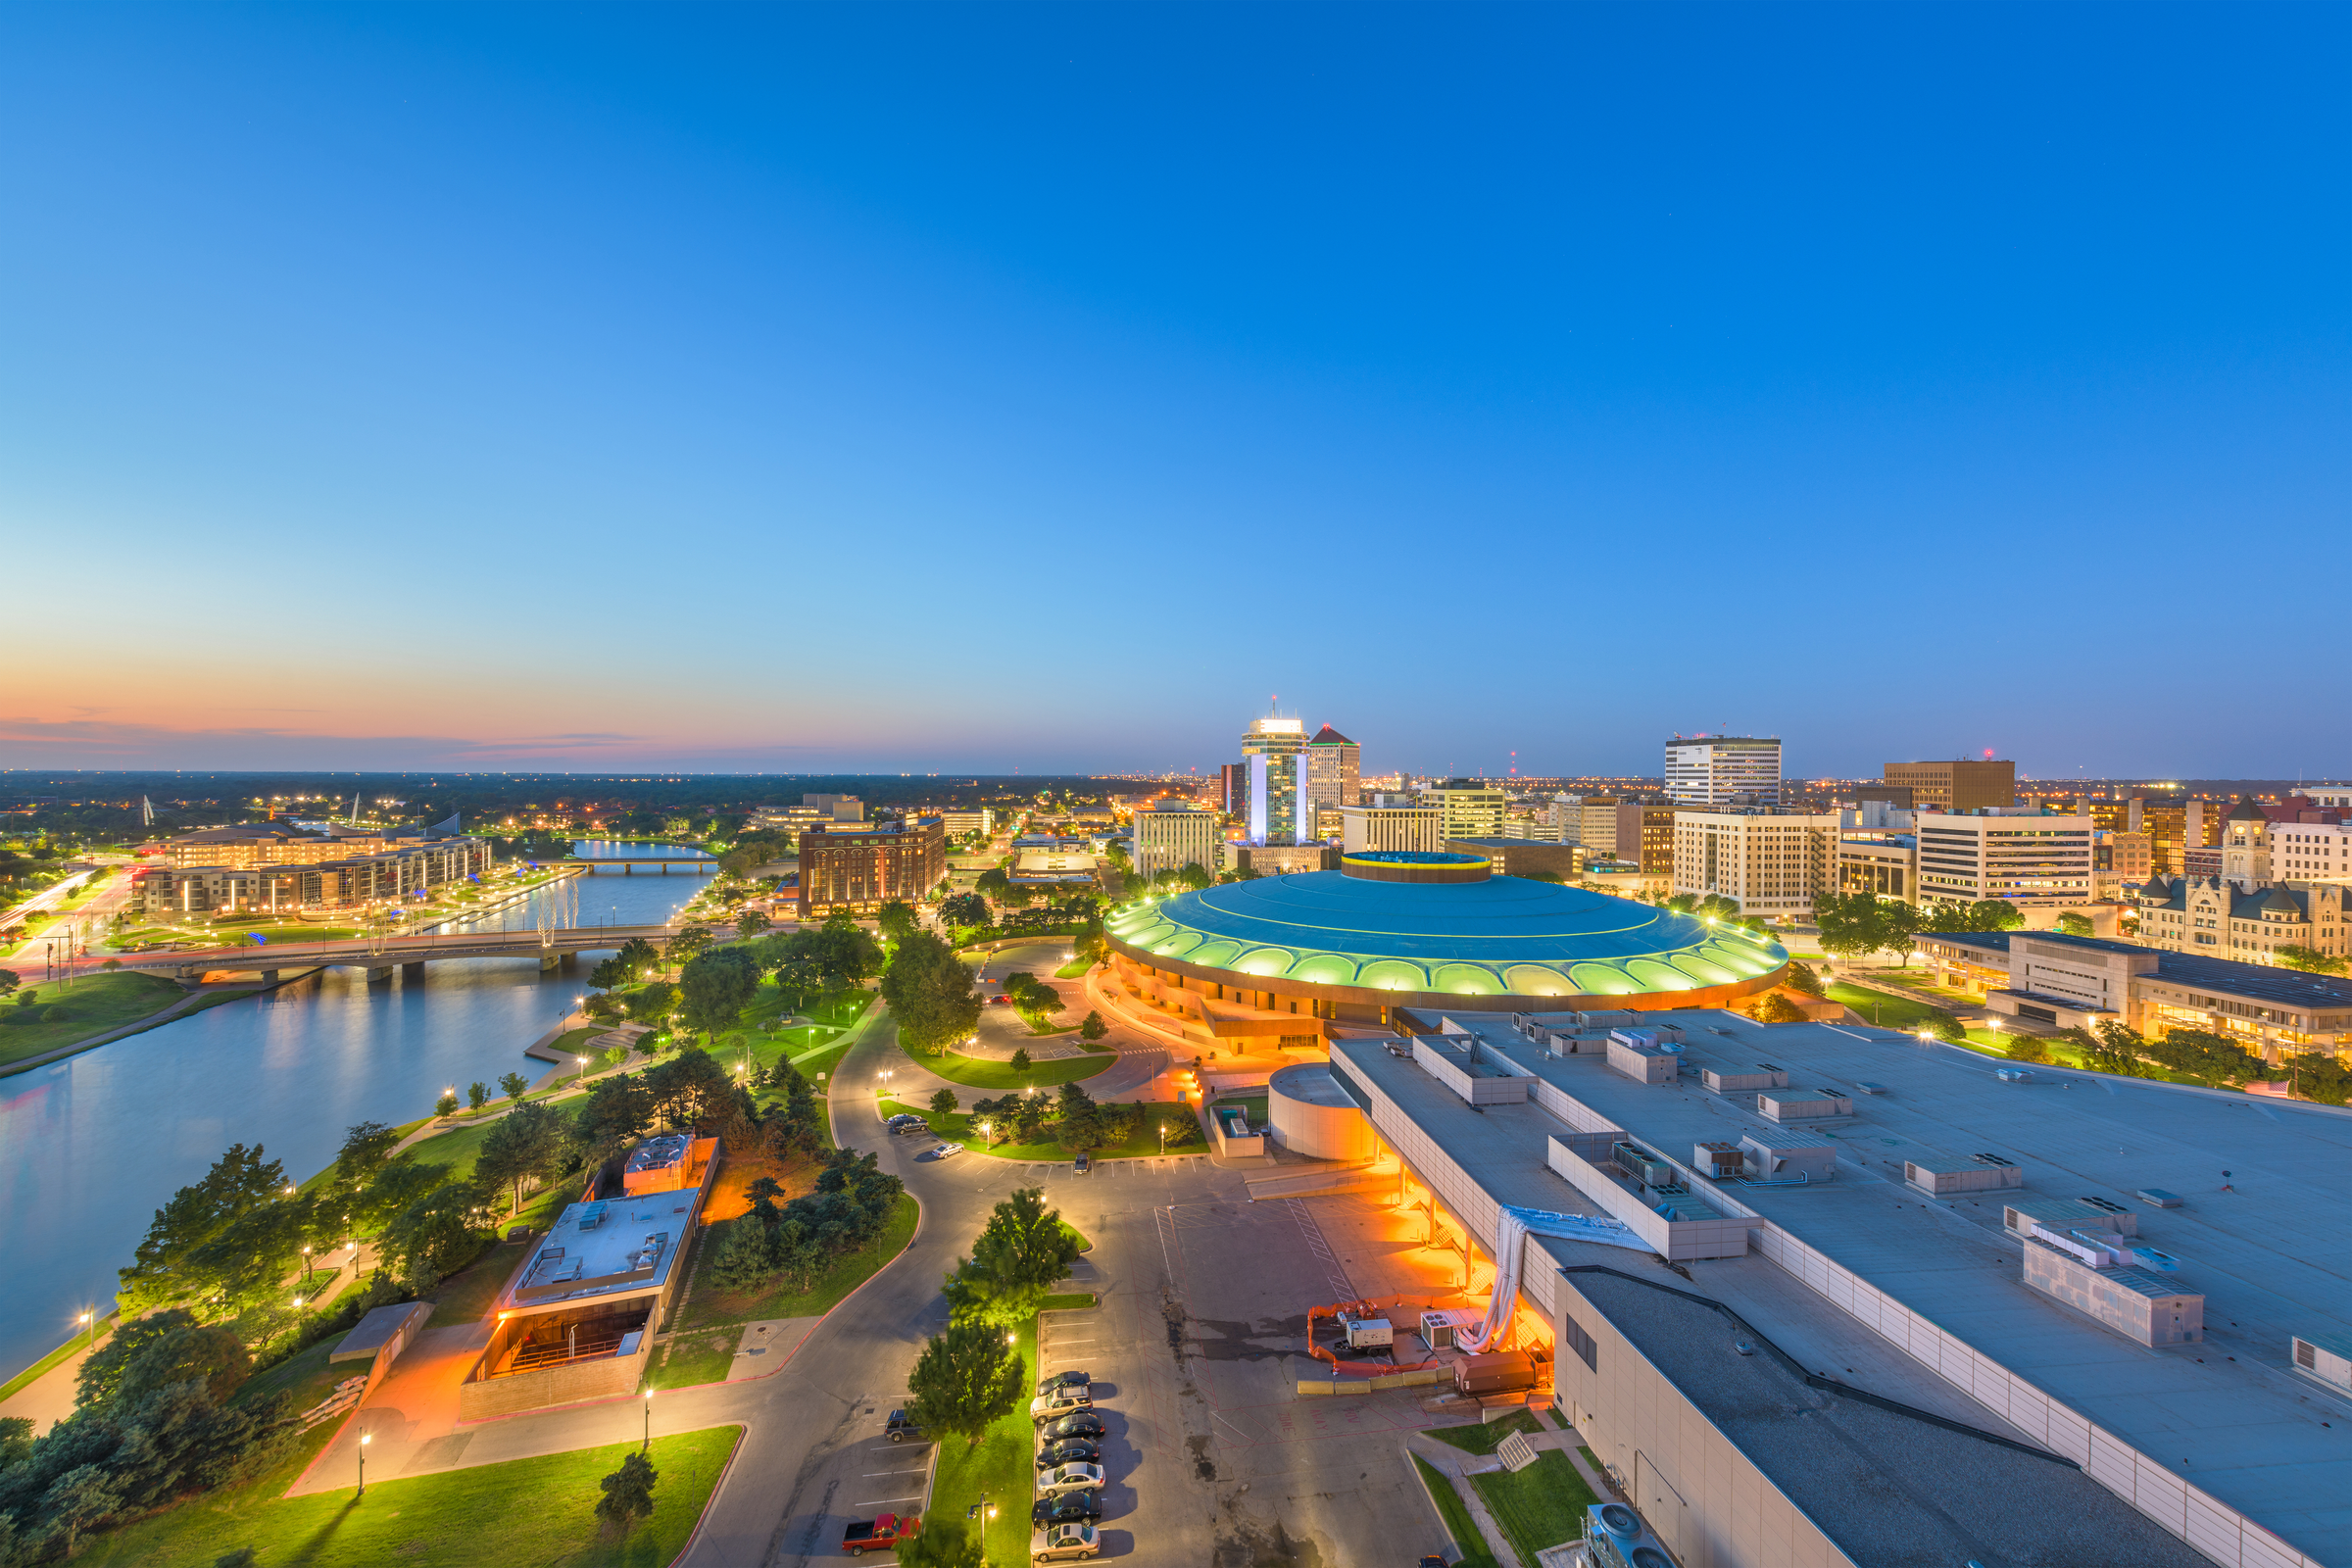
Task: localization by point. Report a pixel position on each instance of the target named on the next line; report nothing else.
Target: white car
(1069, 1478)
(1065, 1543)
(1046, 1406)
(944, 1151)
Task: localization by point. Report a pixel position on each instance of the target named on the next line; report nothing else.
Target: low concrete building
(1390, 827)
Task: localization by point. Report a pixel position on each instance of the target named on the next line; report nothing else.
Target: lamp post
(365, 1439)
(649, 1422)
(90, 1321)
(584, 1061)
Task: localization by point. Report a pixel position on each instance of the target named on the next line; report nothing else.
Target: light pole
(365, 1439)
(584, 1061)
(649, 1422)
(90, 1321)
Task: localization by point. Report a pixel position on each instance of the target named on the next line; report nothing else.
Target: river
(90, 1146)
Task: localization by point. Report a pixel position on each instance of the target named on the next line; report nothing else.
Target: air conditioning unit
(1616, 1538)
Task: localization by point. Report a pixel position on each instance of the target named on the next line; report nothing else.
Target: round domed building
(1408, 929)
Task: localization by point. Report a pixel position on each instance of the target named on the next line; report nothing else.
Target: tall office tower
(1473, 808)
(1724, 769)
(1274, 751)
(1233, 788)
(1959, 785)
(1333, 761)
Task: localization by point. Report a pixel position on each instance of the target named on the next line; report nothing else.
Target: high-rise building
(1471, 808)
(1771, 864)
(1959, 785)
(1274, 751)
(1333, 764)
(2028, 860)
(1595, 826)
(1709, 770)
(1233, 789)
(859, 866)
(1171, 834)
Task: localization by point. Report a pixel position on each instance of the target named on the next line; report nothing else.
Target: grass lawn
(457, 1148)
(1254, 1106)
(92, 1007)
(709, 1307)
(1076, 1301)
(466, 1296)
(999, 1076)
(460, 1517)
(1540, 1506)
(957, 1125)
(1483, 1437)
(1884, 1008)
(1001, 1466)
(1456, 1515)
(1075, 969)
(695, 1358)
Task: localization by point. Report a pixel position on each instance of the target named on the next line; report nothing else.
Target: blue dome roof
(1503, 935)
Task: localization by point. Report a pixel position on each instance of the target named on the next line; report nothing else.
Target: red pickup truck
(882, 1533)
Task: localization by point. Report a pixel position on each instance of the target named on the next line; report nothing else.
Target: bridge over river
(381, 955)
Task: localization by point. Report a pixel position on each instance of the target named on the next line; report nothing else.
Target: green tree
(898, 920)
(1850, 924)
(964, 910)
(1801, 977)
(435, 1236)
(993, 883)
(1195, 876)
(9, 981)
(1016, 1261)
(529, 1143)
(1899, 923)
(628, 1498)
(1994, 914)
(930, 994)
(943, 1102)
(2026, 1049)
(966, 1380)
(239, 1183)
(618, 1113)
(513, 1085)
(2209, 1058)
(446, 1104)
(1776, 1009)
(366, 1149)
(2073, 923)
(653, 1002)
(153, 1352)
(638, 958)
(2309, 959)
(1020, 1059)
(716, 986)
(688, 942)
(610, 974)
(749, 923)
(944, 1543)
(1094, 1028)
(477, 1095)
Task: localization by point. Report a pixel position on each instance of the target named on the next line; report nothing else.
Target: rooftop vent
(1991, 1159)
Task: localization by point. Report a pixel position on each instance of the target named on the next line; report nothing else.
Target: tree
(687, 944)
(618, 1111)
(1094, 1028)
(965, 1381)
(944, 1543)
(1801, 977)
(610, 974)
(2026, 1049)
(9, 981)
(749, 923)
(898, 920)
(1016, 1261)
(652, 1003)
(628, 1496)
(1020, 1059)
(1994, 914)
(446, 1104)
(150, 1352)
(529, 1144)
(715, 986)
(435, 1236)
(1899, 923)
(943, 1102)
(2209, 1058)
(239, 1183)
(1850, 924)
(2309, 959)
(1194, 877)
(1776, 1009)
(638, 958)
(81, 1500)
(2073, 923)
(477, 1095)
(964, 910)
(930, 994)
(513, 1085)
(366, 1150)
(993, 883)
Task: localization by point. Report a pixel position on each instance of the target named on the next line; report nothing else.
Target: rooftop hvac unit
(1646, 1167)
(1616, 1538)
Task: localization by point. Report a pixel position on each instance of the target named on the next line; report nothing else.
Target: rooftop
(2265, 1242)
(2260, 981)
(1501, 935)
(614, 1246)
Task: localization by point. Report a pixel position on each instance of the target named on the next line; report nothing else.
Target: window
(1580, 1342)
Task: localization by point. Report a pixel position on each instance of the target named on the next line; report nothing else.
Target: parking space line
(876, 1502)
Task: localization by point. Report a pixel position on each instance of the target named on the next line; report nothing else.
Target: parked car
(1080, 1380)
(1069, 1478)
(1069, 1450)
(1085, 1424)
(942, 1150)
(1067, 1544)
(906, 1122)
(1067, 1508)
(882, 1533)
(1081, 1165)
(999, 1002)
(902, 1426)
(1060, 1402)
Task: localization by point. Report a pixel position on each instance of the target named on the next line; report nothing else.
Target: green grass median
(978, 1072)
(1539, 1507)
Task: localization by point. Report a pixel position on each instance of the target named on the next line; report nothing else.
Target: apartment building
(1171, 834)
(410, 867)
(859, 866)
(1708, 770)
(1771, 864)
(2026, 857)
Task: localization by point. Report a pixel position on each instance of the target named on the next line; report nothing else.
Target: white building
(1391, 827)
(1171, 834)
(1718, 769)
(2310, 852)
(1771, 864)
(959, 822)
(2018, 855)
(1473, 808)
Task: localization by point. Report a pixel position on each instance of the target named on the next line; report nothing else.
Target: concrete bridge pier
(572, 962)
(269, 978)
(413, 970)
(379, 973)
(548, 963)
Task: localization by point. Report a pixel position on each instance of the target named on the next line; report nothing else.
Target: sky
(898, 388)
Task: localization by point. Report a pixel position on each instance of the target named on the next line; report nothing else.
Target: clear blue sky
(887, 387)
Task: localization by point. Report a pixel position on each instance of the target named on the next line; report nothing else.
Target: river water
(90, 1146)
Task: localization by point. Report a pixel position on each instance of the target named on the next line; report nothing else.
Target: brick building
(859, 867)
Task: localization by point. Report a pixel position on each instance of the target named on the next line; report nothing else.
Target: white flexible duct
(1512, 1226)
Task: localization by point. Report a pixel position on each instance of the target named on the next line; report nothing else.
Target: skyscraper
(1723, 769)
(1274, 751)
(1333, 766)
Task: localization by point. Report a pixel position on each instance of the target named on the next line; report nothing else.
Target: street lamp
(366, 1438)
(649, 1422)
(90, 1321)
(584, 1061)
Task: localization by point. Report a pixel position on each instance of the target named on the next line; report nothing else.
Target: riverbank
(33, 1054)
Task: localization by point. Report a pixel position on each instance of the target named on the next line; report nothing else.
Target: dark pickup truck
(902, 1426)
(882, 1533)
